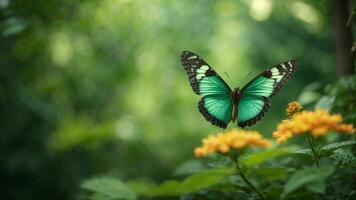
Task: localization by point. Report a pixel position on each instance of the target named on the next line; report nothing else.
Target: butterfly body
(235, 96)
(220, 105)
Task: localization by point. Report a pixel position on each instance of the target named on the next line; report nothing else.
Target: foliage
(193, 183)
(308, 182)
(290, 180)
(344, 92)
(260, 157)
(109, 188)
(312, 178)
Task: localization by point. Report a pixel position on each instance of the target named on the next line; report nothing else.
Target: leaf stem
(242, 175)
(315, 155)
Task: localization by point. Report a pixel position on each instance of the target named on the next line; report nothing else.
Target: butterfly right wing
(215, 104)
(256, 94)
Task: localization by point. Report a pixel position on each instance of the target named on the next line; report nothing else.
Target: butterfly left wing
(254, 100)
(216, 109)
(215, 104)
(203, 78)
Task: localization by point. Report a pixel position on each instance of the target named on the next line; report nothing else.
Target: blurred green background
(96, 87)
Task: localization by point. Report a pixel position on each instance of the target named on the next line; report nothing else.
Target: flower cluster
(294, 107)
(234, 139)
(317, 123)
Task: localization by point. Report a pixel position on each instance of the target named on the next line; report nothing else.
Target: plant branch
(315, 155)
(242, 175)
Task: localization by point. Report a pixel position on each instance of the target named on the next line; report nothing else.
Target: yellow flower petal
(233, 139)
(199, 152)
(318, 123)
(294, 107)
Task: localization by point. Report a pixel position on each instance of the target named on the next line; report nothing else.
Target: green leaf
(310, 94)
(13, 26)
(142, 186)
(168, 188)
(147, 188)
(326, 150)
(204, 179)
(344, 158)
(317, 186)
(108, 188)
(325, 102)
(191, 183)
(330, 148)
(189, 167)
(307, 152)
(276, 173)
(313, 178)
(260, 157)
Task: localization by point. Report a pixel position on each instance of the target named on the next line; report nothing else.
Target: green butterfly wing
(215, 104)
(216, 109)
(255, 96)
(251, 109)
(203, 79)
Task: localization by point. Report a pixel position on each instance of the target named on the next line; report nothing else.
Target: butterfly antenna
(229, 77)
(245, 78)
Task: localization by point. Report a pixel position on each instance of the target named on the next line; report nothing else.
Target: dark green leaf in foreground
(260, 157)
(307, 152)
(167, 188)
(192, 183)
(276, 173)
(344, 158)
(330, 148)
(204, 179)
(142, 186)
(189, 167)
(107, 188)
(313, 178)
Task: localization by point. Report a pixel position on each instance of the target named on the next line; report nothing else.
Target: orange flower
(317, 123)
(346, 128)
(234, 139)
(294, 107)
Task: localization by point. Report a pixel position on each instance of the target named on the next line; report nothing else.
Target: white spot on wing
(201, 71)
(204, 67)
(278, 78)
(199, 76)
(192, 57)
(274, 71)
(276, 74)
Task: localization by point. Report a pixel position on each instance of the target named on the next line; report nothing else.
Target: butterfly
(220, 105)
